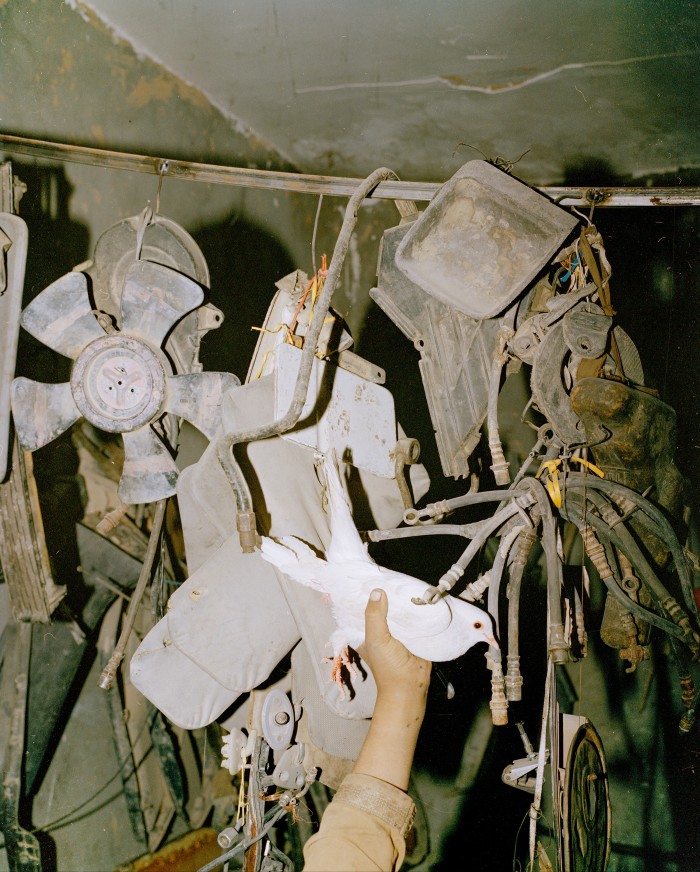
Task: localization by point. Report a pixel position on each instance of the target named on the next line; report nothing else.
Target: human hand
(395, 669)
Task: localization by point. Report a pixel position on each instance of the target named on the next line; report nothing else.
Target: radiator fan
(121, 381)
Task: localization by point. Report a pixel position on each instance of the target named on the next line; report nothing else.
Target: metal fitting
(227, 837)
(500, 466)
(514, 680)
(558, 647)
(498, 703)
(247, 532)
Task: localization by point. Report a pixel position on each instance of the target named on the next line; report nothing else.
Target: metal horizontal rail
(310, 184)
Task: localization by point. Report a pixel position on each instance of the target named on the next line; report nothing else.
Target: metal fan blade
(149, 471)
(197, 396)
(155, 298)
(41, 412)
(61, 316)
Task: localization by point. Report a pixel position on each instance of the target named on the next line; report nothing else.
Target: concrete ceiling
(604, 87)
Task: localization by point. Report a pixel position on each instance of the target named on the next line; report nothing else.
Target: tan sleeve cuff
(383, 800)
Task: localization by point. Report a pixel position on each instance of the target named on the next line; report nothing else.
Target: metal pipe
(499, 464)
(557, 644)
(494, 656)
(579, 481)
(611, 584)
(514, 680)
(623, 539)
(443, 507)
(110, 670)
(456, 571)
(300, 183)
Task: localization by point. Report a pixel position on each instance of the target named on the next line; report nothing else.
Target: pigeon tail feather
(345, 544)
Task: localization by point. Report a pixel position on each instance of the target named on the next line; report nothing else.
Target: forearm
(387, 752)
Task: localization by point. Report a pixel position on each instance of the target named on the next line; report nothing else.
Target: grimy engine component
(456, 352)
(121, 381)
(482, 240)
(638, 454)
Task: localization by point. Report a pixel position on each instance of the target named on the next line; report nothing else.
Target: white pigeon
(438, 632)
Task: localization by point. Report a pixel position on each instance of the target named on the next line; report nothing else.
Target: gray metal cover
(482, 240)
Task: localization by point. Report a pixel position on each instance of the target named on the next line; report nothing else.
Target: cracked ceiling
(603, 89)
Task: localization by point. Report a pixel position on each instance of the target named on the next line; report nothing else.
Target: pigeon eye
(478, 625)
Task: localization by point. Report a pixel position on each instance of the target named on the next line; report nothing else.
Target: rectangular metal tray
(482, 240)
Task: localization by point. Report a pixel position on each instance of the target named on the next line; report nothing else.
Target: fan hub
(118, 383)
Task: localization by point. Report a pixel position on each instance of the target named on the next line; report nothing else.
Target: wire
(517, 865)
(63, 820)
(313, 235)
(272, 818)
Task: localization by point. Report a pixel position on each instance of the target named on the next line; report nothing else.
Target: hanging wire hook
(162, 170)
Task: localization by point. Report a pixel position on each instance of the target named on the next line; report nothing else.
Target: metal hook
(162, 170)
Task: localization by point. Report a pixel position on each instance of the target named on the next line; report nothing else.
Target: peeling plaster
(187, 90)
(147, 90)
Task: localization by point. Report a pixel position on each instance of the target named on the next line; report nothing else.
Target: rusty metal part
(619, 628)
(639, 452)
(309, 184)
(110, 670)
(188, 852)
(687, 690)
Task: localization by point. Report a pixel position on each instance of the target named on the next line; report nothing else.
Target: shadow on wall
(653, 253)
(244, 264)
(57, 243)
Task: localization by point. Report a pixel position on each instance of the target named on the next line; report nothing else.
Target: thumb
(376, 629)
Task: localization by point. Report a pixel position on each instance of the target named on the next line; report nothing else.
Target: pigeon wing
(296, 560)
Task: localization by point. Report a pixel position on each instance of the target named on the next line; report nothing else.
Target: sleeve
(363, 829)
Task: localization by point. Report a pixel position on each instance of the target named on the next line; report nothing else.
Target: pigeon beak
(492, 641)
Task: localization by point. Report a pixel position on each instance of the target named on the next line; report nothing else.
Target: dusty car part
(292, 414)
(120, 382)
(13, 257)
(406, 453)
(157, 239)
(551, 394)
(21, 845)
(482, 240)
(277, 720)
(287, 320)
(639, 452)
(455, 350)
(343, 413)
(586, 814)
(586, 330)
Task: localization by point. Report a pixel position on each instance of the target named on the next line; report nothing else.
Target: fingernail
(376, 595)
